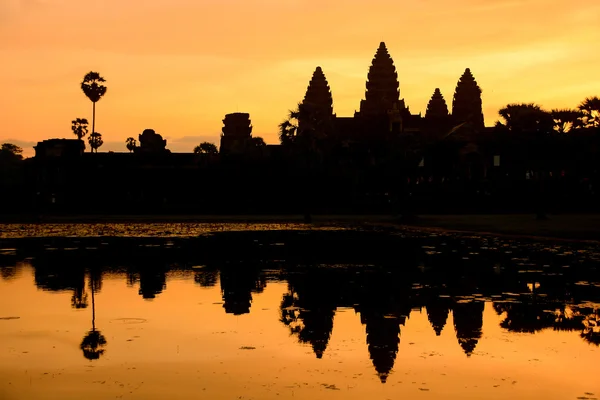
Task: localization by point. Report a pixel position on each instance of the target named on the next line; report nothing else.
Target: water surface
(299, 313)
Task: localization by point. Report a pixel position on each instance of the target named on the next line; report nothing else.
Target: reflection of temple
(308, 309)
(468, 321)
(383, 309)
(237, 286)
(438, 309)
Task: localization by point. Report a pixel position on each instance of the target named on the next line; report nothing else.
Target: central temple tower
(382, 94)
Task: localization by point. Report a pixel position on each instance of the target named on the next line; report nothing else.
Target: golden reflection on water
(140, 230)
(182, 344)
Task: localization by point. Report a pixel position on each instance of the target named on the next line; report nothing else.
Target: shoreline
(570, 227)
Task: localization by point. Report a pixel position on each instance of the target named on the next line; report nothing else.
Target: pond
(271, 312)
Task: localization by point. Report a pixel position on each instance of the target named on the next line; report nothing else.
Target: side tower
(466, 105)
(318, 94)
(237, 133)
(437, 107)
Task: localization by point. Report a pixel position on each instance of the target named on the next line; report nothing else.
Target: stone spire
(318, 94)
(382, 85)
(437, 107)
(466, 105)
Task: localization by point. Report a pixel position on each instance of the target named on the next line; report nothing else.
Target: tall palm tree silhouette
(93, 343)
(93, 88)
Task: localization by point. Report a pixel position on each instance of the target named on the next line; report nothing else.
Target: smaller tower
(237, 133)
(318, 94)
(466, 105)
(437, 107)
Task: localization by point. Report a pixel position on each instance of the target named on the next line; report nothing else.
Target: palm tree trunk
(93, 121)
(93, 305)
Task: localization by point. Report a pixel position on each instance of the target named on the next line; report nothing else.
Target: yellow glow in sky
(178, 66)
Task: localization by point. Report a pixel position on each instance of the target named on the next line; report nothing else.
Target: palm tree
(93, 88)
(206, 148)
(566, 120)
(526, 118)
(306, 130)
(93, 342)
(591, 110)
(131, 144)
(79, 126)
(95, 140)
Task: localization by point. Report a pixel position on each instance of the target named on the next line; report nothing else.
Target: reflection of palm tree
(79, 299)
(206, 278)
(93, 343)
(591, 331)
(309, 312)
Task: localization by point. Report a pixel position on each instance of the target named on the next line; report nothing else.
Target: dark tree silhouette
(94, 342)
(591, 330)
(566, 120)
(153, 280)
(526, 119)
(79, 126)
(93, 87)
(10, 152)
(131, 144)
(309, 307)
(206, 148)
(257, 141)
(95, 141)
(590, 107)
(152, 142)
(206, 278)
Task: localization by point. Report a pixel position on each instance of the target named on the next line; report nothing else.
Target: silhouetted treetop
(318, 93)
(437, 107)
(93, 344)
(79, 126)
(526, 119)
(131, 144)
(151, 142)
(206, 148)
(95, 141)
(591, 110)
(92, 86)
(10, 152)
(466, 104)
(566, 119)
(257, 141)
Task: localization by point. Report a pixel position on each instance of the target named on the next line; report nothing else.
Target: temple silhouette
(382, 159)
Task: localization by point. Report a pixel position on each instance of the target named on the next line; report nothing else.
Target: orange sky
(178, 66)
